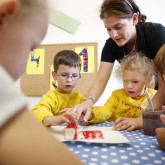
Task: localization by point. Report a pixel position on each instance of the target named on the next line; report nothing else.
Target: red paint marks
(75, 136)
(72, 126)
(86, 122)
(71, 133)
(92, 134)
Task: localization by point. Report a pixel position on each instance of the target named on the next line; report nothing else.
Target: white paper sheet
(110, 136)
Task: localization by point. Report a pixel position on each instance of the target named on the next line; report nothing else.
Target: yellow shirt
(54, 101)
(119, 104)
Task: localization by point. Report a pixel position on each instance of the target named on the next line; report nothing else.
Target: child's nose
(69, 78)
(129, 85)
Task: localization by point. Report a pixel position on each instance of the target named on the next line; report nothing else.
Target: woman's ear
(135, 19)
(8, 8)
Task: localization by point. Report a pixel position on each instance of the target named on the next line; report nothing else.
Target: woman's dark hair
(122, 9)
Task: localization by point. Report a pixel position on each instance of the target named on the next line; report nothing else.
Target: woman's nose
(113, 33)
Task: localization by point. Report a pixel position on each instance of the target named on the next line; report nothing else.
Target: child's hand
(67, 110)
(162, 117)
(163, 107)
(56, 120)
(68, 117)
(160, 134)
(128, 123)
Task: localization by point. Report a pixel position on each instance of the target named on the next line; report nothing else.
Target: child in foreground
(23, 25)
(67, 66)
(138, 75)
(159, 62)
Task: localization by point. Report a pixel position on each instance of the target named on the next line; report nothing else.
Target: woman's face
(120, 30)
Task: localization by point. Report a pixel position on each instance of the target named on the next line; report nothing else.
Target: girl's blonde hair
(140, 63)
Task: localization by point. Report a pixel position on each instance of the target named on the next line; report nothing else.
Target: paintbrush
(149, 101)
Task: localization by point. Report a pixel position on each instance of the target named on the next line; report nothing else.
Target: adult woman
(128, 32)
(23, 24)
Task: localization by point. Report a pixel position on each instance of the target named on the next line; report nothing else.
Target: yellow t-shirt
(119, 104)
(54, 101)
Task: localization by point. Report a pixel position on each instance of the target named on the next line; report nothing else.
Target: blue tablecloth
(142, 150)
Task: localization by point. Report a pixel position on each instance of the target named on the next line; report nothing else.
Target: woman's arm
(95, 90)
(102, 78)
(24, 140)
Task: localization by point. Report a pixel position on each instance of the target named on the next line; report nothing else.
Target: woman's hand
(160, 133)
(128, 124)
(68, 117)
(82, 110)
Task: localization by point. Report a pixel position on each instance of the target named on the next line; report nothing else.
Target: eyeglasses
(65, 76)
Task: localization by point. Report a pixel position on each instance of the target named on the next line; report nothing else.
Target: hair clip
(129, 4)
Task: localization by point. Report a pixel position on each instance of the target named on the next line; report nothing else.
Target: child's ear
(146, 85)
(8, 8)
(54, 75)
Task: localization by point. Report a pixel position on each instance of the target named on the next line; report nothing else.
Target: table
(142, 150)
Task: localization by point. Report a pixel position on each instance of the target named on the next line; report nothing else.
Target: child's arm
(21, 133)
(56, 120)
(100, 114)
(105, 113)
(130, 124)
(160, 134)
(46, 106)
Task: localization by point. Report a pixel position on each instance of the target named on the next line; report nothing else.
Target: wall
(92, 29)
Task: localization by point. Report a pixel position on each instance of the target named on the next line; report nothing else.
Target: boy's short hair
(140, 63)
(159, 60)
(66, 57)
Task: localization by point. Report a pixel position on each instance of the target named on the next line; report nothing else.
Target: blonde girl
(138, 75)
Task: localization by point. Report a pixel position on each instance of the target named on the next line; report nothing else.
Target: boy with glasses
(67, 66)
